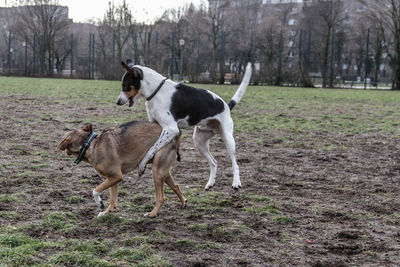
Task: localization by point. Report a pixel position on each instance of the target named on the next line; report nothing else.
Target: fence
(295, 60)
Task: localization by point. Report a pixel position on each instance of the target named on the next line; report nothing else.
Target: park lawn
(315, 163)
(262, 108)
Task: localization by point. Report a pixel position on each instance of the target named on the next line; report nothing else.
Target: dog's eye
(126, 88)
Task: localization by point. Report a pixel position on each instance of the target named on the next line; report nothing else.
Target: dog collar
(156, 91)
(85, 147)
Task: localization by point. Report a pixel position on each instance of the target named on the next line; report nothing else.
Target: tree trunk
(221, 73)
(396, 79)
(325, 58)
(396, 67)
(213, 71)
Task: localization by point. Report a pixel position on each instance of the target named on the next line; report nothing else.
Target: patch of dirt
(323, 207)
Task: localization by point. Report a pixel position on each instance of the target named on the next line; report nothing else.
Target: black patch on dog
(197, 104)
(127, 125)
(129, 80)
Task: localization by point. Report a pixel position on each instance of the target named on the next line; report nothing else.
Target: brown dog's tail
(178, 144)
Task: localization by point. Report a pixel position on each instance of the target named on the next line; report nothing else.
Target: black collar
(156, 91)
(85, 147)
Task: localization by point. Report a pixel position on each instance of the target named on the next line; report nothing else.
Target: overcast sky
(144, 10)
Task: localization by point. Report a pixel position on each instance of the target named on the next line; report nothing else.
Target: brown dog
(118, 150)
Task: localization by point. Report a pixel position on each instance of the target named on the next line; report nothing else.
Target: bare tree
(118, 22)
(387, 15)
(104, 47)
(216, 20)
(145, 32)
(326, 16)
(47, 22)
(196, 36)
(267, 42)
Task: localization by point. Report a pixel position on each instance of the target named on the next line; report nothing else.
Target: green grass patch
(60, 221)
(233, 229)
(184, 243)
(26, 174)
(285, 238)
(155, 261)
(128, 206)
(264, 209)
(17, 249)
(10, 198)
(256, 198)
(156, 233)
(11, 215)
(76, 258)
(75, 199)
(93, 247)
(109, 219)
(133, 255)
(138, 198)
(136, 241)
(43, 154)
(207, 245)
(123, 192)
(211, 200)
(200, 227)
(146, 207)
(85, 181)
(39, 166)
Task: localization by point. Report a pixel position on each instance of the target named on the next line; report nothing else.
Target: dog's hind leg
(160, 171)
(201, 140)
(160, 197)
(167, 134)
(227, 136)
(171, 183)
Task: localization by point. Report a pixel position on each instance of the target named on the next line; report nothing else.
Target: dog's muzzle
(122, 99)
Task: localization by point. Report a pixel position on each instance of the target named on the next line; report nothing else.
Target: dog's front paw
(184, 204)
(150, 215)
(236, 184)
(209, 185)
(98, 200)
(101, 214)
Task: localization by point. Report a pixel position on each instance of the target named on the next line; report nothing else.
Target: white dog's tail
(242, 87)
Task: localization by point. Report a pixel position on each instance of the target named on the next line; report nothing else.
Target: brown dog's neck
(85, 147)
(90, 151)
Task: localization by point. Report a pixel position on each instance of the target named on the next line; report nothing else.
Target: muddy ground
(299, 205)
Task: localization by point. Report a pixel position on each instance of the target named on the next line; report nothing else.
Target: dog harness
(85, 147)
(156, 91)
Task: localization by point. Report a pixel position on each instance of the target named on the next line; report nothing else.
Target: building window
(292, 22)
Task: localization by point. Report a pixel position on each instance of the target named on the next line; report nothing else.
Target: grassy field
(320, 170)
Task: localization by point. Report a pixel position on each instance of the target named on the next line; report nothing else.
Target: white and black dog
(175, 106)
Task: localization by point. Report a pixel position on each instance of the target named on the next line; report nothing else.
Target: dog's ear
(128, 61)
(64, 143)
(138, 73)
(126, 67)
(135, 72)
(88, 128)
